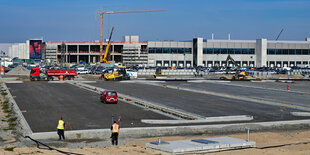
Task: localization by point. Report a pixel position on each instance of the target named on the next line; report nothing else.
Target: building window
(271, 51)
(288, 51)
(174, 50)
(231, 51)
(285, 51)
(224, 51)
(152, 50)
(210, 51)
(205, 51)
(181, 50)
(305, 52)
(245, 51)
(228, 51)
(217, 51)
(159, 50)
(166, 50)
(252, 51)
(238, 51)
(188, 50)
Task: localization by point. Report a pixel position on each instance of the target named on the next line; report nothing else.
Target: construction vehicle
(118, 73)
(104, 59)
(238, 75)
(159, 74)
(50, 74)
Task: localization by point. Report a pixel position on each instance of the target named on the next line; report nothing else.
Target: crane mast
(115, 12)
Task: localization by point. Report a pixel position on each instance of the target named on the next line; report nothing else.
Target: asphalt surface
(275, 92)
(201, 104)
(42, 104)
(300, 86)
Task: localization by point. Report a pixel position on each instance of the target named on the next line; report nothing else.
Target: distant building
(198, 52)
(4, 47)
(32, 49)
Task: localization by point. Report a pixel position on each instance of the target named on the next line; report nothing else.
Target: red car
(109, 96)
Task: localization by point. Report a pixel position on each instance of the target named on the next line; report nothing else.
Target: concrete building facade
(255, 53)
(198, 52)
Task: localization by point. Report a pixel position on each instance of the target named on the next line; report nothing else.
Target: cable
(50, 148)
(281, 145)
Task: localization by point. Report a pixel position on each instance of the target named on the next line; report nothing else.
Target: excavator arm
(104, 59)
(229, 58)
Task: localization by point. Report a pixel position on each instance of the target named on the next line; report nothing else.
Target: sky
(77, 20)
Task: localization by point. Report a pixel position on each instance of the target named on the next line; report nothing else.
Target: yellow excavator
(118, 73)
(104, 59)
(239, 75)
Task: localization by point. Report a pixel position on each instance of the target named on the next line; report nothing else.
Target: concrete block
(190, 146)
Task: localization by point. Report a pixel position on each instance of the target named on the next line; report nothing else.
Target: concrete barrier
(177, 130)
(205, 120)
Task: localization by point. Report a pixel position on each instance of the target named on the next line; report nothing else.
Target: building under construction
(198, 52)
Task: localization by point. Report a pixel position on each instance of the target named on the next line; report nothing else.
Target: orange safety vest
(61, 125)
(115, 128)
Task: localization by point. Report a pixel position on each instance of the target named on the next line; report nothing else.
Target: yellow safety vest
(61, 124)
(115, 128)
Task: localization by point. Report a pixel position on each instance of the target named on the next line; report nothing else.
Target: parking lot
(42, 104)
(202, 104)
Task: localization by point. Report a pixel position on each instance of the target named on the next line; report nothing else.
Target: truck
(50, 74)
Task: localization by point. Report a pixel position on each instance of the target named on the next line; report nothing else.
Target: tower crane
(115, 12)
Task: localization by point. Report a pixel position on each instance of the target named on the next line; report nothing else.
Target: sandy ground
(299, 145)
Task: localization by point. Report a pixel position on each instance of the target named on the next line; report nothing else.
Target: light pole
(184, 63)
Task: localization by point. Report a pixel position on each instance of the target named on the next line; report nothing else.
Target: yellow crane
(104, 59)
(115, 12)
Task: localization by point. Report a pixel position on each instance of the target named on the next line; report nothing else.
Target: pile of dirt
(19, 70)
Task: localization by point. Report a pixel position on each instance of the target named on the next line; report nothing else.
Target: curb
(26, 130)
(104, 134)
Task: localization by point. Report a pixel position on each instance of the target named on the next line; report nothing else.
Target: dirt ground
(298, 144)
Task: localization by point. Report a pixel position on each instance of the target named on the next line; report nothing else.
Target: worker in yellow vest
(115, 130)
(61, 129)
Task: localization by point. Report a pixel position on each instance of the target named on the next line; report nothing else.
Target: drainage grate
(204, 141)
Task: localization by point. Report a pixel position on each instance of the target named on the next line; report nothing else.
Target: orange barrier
(2, 70)
(68, 126)
(61, 78)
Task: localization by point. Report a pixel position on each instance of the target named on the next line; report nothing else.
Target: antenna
(279, 34)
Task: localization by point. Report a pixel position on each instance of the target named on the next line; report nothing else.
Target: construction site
(156, 110)
(203, 96)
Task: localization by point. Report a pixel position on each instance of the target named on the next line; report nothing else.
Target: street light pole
(184, 64)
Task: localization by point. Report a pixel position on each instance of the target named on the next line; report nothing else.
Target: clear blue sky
(75, 20)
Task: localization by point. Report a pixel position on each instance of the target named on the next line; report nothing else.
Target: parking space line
(283, 90)
(236, 97)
